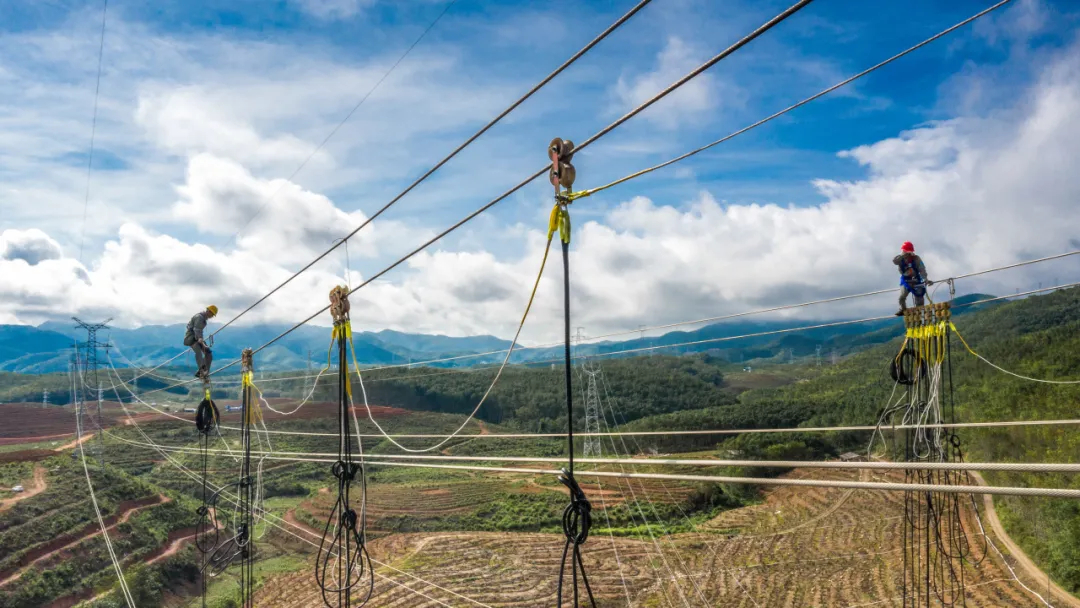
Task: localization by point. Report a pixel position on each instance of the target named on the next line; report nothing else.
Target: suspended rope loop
(576, 520)
(343, 561)
(207, 416)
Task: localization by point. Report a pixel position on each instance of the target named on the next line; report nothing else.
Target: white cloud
(276, 220)
(332, 9)
(31, 246)
(972, 193)
(697, 97)
(188, 120)
(214, 127)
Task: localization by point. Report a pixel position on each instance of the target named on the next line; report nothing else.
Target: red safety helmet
(907, 247)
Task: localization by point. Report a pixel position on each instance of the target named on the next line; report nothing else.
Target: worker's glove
(929, 282)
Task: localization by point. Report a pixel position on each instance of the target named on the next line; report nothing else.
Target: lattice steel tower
(591, 445)
(89, 382)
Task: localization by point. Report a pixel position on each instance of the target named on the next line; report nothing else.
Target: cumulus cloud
(31, 246)
(982, 189)
(689, 102)
(189, 120)
(276, 219)
(972, 193)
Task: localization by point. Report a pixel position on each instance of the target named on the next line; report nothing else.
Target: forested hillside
(1037, 337)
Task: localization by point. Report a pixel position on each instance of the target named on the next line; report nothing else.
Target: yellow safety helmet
(212, 309)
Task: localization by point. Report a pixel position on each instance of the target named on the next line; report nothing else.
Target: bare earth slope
(800, 548)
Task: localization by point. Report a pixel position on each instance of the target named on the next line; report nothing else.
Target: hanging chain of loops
(577, 517)
(343, 561)
(937, 536)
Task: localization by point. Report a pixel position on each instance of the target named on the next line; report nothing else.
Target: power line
(452, 154)
(641, 4)
(824, 429)
(356, 107)
(266, 516)
(720, 339)
(836, 86)
(713, 319)
(1015, 467)
(93, 128)
(765, 481)
(634, 112)
(591, 140)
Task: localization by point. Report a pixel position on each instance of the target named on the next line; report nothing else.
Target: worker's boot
(901, 312)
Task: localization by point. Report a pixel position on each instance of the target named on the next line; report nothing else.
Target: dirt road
(68, 446)
(37, 486)
(1033, 572)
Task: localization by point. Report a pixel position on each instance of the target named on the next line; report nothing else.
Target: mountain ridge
(47, 347)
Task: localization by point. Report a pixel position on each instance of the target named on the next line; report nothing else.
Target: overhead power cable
(759, 311)
(634, 331)
(618, 122)
(344, 120)
(276, 522)
(633, 11)
(269, 518)
(834, 87)
(821, 429)
(124, 591)
(93, 128)
(1014, 467)
(729, 338)
(764, 481)
(763, 333)
(578, 55)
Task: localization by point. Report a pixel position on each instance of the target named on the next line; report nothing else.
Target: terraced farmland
(825, 548)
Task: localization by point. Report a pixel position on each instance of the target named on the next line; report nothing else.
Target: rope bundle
(343, 561)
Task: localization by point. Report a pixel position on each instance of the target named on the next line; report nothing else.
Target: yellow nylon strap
(342, 331)
(962, 340)
(559, 219)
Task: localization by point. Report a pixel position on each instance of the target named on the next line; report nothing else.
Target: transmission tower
(90, 384)
(45, 398)
(817, 355)
(591, 445)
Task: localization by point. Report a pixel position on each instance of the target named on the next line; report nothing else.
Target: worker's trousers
(203, 355)
(919, 300)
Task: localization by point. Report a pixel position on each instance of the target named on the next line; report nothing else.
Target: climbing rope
(1002, 369)
(343, 562)
(239, 546)
(577, 517)
(936, 541)
(207, 530)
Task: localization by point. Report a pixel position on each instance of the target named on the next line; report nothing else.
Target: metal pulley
(339, 304)
(562, 173)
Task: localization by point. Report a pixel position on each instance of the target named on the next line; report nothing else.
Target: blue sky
(207, 108)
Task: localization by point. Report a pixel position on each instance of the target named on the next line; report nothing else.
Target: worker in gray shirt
(193, 337)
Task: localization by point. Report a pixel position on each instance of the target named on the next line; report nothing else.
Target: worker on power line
(913, 277)
(193, 337)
